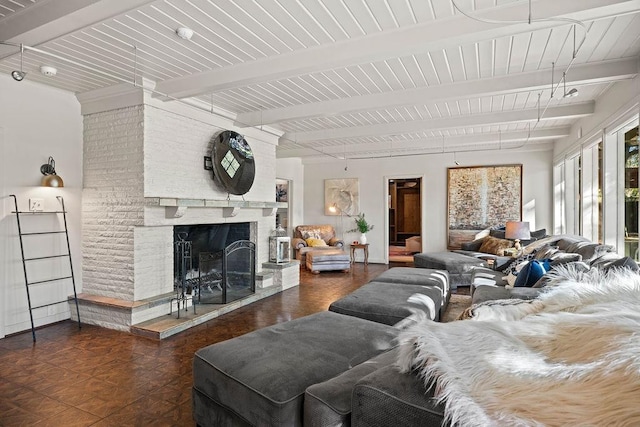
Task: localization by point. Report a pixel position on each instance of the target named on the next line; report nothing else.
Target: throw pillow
(517, 263)
(531, 273)
(311, 234)
(493, 245)
(311, 242)
(546, 279)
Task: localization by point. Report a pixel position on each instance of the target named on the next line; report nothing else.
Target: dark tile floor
(101, 377)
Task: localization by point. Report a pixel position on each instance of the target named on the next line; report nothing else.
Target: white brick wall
(173, 161)
(153, 248)
(153, 151)
(112, 200)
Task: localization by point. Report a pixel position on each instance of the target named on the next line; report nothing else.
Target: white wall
(37, 122)
(293, 169)
(537, 191)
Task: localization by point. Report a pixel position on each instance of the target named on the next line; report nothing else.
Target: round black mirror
(233, 165)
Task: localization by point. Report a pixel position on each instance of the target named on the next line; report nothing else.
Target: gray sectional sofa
(337, 368)
(489, 284)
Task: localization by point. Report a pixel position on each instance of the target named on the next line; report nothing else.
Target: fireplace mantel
(177, 207)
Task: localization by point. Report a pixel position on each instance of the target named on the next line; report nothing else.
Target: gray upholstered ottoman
(328, 259)
(260, 378)
(388, 302)
(329, 403)
(419, 276)
(459, 266)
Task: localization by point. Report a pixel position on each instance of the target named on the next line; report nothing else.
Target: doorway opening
(405, 218)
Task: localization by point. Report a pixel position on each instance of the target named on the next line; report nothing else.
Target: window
(631, 193)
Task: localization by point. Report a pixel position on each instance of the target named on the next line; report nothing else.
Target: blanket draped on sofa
(573, 358)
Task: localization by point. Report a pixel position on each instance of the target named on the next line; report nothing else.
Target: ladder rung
(38, 212)
(50, 280)
(43, 232)
(47, 305)
(46, 257)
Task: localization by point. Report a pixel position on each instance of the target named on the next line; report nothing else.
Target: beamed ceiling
(345, 78)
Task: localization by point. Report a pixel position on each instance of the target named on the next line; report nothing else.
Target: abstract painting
(481, 197)
(344, 194)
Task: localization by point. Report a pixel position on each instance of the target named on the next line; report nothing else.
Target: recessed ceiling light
(184, 33)
(48, 70)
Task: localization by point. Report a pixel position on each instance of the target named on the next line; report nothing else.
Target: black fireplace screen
(223, 262)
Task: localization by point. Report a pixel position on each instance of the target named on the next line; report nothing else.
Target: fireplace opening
(221, 268)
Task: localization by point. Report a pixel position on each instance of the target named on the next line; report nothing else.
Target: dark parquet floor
(100, 377)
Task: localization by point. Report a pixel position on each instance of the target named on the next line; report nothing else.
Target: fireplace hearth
(220, 267)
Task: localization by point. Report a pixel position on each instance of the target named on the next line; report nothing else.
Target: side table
(364, 247)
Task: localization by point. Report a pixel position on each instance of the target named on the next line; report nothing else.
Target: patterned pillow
(493, 245)
(311, 234)
(513, 267)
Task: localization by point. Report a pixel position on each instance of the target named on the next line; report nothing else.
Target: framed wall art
(479, 198)
(343, 194)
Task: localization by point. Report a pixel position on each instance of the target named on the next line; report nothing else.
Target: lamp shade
(517, 230)
(52, 181)
(50, 178)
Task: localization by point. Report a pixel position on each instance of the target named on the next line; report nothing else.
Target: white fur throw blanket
(572, 358)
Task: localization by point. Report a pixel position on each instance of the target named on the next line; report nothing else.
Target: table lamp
(517, 230)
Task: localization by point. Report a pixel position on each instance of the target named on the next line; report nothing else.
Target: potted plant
(362, 226)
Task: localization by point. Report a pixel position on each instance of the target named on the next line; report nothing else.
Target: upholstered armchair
(314, 237)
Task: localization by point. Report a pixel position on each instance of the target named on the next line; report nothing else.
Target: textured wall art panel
(480, 198)
(344, 194)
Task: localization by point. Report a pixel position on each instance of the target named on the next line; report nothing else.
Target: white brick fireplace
(143, 174)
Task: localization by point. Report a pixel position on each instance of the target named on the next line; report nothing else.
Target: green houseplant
(362, 226)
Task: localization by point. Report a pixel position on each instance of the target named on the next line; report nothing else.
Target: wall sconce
(19, 75)
(50, 179)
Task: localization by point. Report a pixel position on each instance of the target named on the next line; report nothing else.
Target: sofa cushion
(474, 245)
(493, 245)
(565, 241)
(387, 397)
(491, 293)
(329, 403)
(624, 262)
(560, 258)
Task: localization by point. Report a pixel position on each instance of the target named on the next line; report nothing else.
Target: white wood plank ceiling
(344, 78)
